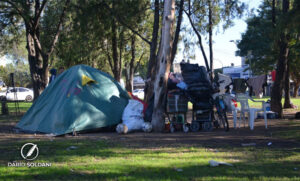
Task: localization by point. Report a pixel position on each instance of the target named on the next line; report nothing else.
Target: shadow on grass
(241, 171)
(113, 162)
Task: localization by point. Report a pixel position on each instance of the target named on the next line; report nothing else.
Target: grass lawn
(24, 106)
(101, 160)
(292, 133)
(295, 101)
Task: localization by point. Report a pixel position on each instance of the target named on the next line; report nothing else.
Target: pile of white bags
(133, 118)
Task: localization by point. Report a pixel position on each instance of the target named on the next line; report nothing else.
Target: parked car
(139, 93)
(17, 94)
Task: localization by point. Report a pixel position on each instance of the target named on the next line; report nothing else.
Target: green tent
(81, 98)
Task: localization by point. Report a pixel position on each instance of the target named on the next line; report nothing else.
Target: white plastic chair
(245, 108)
(231, 107)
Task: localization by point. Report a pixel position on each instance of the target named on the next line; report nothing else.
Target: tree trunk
(277, 88)
(37, 58)
(276, 94)
(128, 84)
(177, 32)
(129, 81)
(38, 69)
(287, 97)
(151, 65)
(273, 13)
(163, 66)
(116, 68)
(210, 24)
(296, 88)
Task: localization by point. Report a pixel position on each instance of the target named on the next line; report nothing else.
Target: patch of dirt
(216, 138)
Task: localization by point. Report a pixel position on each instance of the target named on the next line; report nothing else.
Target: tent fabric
(81, 98)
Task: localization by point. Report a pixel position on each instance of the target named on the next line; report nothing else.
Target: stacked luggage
(199, 92)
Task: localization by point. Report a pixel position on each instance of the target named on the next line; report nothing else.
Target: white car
(18, 94)
(139, 93)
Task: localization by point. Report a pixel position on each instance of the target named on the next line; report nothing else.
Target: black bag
(239, 85)
(193, 73)
(149, 110)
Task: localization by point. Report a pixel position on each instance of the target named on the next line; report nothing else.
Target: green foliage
(86, 37)
(223, 13)
(21, 74)
(259, 44)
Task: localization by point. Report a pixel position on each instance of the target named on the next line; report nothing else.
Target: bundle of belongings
(175, 82)
(133, 117)
(199, 88)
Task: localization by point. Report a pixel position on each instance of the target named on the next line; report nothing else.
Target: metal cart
(176, 109)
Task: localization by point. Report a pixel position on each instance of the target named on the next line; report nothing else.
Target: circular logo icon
(29, 151)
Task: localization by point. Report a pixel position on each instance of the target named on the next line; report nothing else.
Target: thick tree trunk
(277, 88)
(163, 66)
(287, 97)
(210, 24)
(276, 94)
(151, 65)
(38, 58)
(38, 69)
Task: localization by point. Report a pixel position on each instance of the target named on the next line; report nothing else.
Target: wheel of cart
(207, 126)
(201, 119)
(195, 126)
(186, 128)
(177, 121)
(176, 109)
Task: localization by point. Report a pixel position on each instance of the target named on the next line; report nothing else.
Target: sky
(223, 49)
(3, 60)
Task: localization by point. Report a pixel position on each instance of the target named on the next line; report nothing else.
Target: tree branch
(139, 62)
(20, 12)
(37, 42)
(198, 35)
(52, 45)
(38, 11)
(109, 59)
(124, 24)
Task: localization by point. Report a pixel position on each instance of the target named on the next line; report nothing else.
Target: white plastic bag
(147, 127)
(133, 115)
